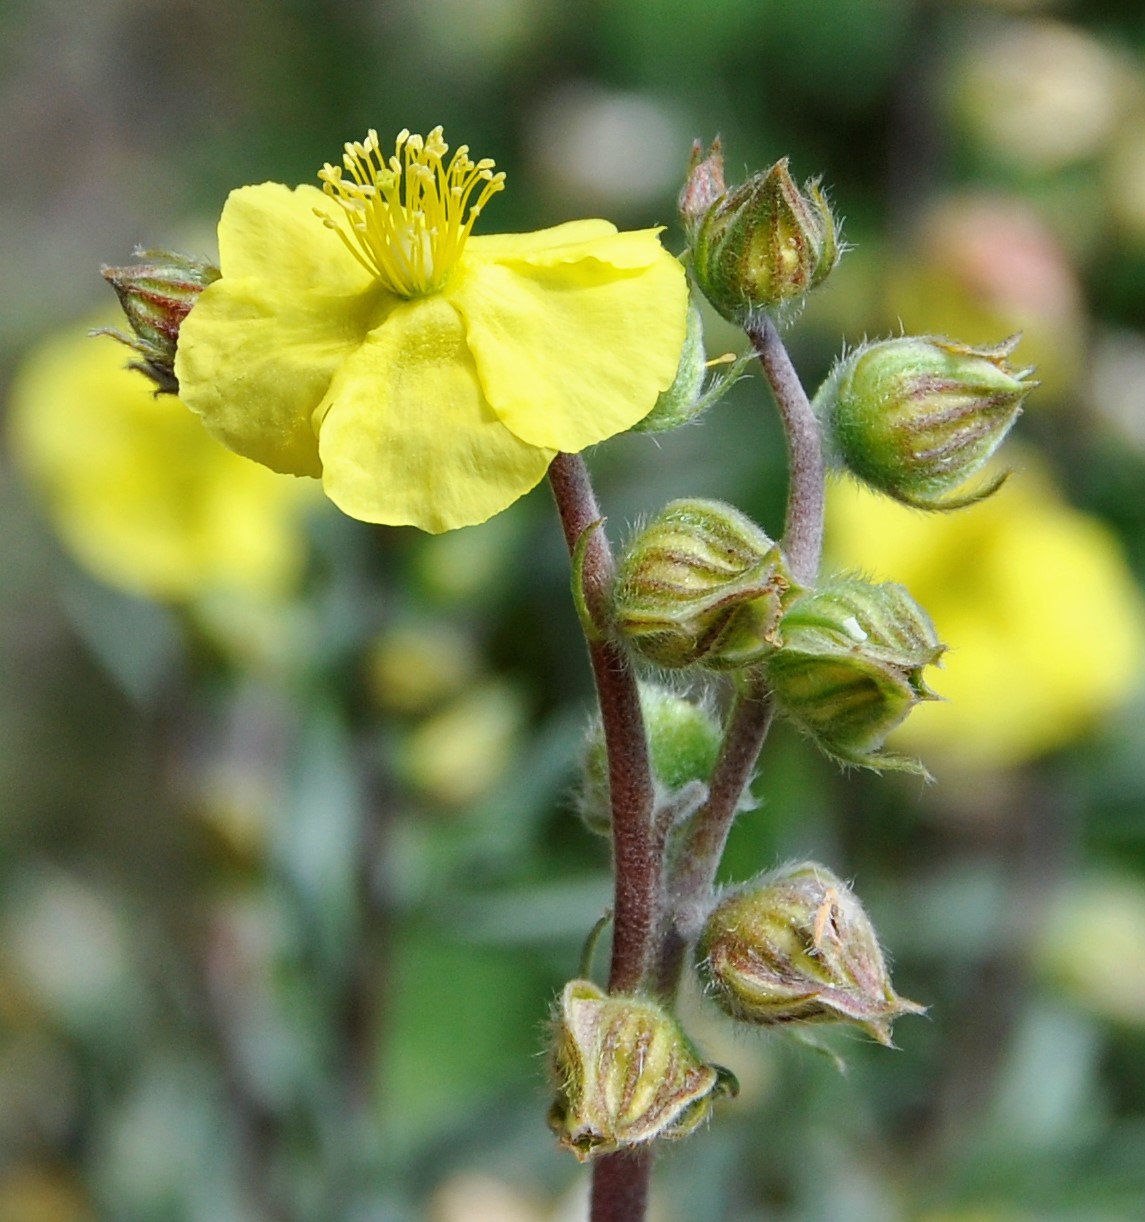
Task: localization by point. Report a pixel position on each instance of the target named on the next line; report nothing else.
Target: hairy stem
(652, 926)
(699, 855)
(636, 862)
(620, 1180)
(620, 1186)
(803, 529)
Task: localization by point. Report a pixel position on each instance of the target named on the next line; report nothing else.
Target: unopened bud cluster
(760, 246)
(156, 295)
(796, 946)
(625, 1073)
(917, 417)
(701, 584)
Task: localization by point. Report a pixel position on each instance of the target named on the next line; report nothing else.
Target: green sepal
(593, 632)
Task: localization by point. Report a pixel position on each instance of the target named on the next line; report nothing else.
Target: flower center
(409, 217)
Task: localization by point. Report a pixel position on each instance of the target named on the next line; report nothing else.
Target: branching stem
(694, 876)
(654, 922)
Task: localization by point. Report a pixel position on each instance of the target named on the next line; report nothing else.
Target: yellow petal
(270, 231)
(570, 243)
(572, 352)
(495, 247)
(255, 359)
(406, 436)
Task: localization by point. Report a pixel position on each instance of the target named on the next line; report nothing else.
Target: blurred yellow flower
(458, 754)
(426, 375)
(138, 492)
(414, 666)
(1045, 626)
(1093, 945)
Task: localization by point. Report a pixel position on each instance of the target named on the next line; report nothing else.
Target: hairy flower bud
(625, 1073)
(759, 246)
(683, 743)
(703, 184)
(917, 417)
(701, 583)
(795, 946)
(156, 295)
(849, 669)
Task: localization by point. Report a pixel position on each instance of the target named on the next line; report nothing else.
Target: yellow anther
(409, 216)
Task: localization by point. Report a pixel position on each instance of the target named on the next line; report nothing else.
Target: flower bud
(701, 583)
(795, 946)
(683, 743)
(761, 245)
(625, 1073)
(156, 296)
(849, 669)
(916, 417)
(703, 184)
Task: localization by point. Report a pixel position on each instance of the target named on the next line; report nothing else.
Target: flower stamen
(409, 216)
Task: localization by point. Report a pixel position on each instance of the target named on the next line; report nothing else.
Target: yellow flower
(139, 493)
(426, 375)
(1092, 945)
(1045, 626)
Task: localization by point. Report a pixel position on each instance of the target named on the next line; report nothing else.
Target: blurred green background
(288, 869)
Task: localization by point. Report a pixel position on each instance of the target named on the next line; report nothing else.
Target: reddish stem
(649, 943)
(637, 863)
(803, 530)
(620, 1181)
(620, 1186)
